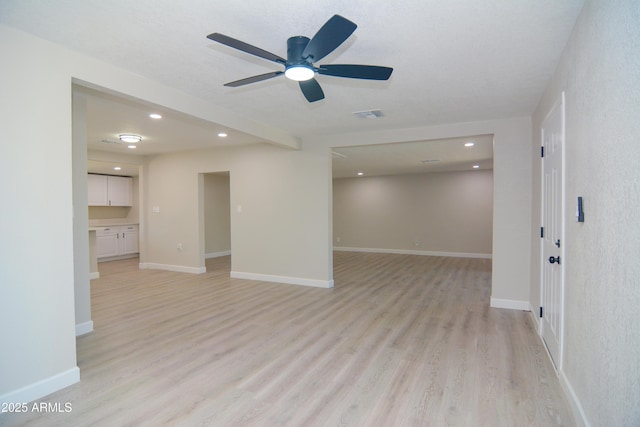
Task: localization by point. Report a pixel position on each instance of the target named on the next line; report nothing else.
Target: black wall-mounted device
(580, 211)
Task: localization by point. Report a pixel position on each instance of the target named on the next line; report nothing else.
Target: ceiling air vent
(429, 161)
(369, 114)
(110, 141)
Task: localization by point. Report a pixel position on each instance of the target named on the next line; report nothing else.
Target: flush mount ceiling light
(131, 139)
(299, 73)
(360, 173)
(117, 168)
(469, 144)
(476, 166)
(155, 116)
(222, 135)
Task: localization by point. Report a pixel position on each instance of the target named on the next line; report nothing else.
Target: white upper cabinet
(106, 190)
(119, 190)
(98, 192)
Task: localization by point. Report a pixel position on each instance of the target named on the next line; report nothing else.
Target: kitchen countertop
(101, 223)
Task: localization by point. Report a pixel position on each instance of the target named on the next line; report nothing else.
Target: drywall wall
(599, 72)
(279, 214)
(437, 213)
(81, 263)
(39, 303)
(511, 193)
(217, 215)
(37, 275)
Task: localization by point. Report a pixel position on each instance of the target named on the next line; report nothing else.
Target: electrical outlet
(179, 246)
(416, 243)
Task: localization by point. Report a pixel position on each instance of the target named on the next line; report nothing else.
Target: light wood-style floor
(400, 341)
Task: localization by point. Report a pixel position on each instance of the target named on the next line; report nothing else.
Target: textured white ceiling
(453, 61)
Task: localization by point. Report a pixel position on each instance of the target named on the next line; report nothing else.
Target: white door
(552, 231)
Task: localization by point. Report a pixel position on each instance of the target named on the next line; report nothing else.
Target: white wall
(217, 212)
(511, 193)
(600, 73)
(448, 213)
(281, 231)
(37, 275)
(37, 287)
(81, 263)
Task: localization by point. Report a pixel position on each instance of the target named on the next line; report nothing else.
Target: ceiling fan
(302, 52)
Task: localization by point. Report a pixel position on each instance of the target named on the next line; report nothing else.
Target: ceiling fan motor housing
(295, 48)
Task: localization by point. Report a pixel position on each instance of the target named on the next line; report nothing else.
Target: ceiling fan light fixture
(129, 138)
(299, 73)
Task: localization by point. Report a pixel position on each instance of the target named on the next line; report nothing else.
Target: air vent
(110, 141)
(369, 114)
(429, 161)
(337, 155)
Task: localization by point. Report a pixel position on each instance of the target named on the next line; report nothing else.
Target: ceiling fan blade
(254, 79)
(245, 47)
(370, 72)
(311, 90)
(332, 34)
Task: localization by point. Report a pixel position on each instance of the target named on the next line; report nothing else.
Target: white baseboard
(574, 402)
(169, 267)
(413, 252)
(216, 254)
(94, 275)
(510, 304)
(118, 257)
(84, 328)
(283, 279)
(42, 388)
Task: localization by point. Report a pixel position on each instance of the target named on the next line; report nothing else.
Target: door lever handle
(554, 259)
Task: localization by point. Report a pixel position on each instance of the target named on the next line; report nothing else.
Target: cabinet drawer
(105, 231)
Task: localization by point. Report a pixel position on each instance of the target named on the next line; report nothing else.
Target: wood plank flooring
(401, 340)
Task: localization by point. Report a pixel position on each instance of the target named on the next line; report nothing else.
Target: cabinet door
(97, 186)
(107, 243)
(128, 239)
(119, 190)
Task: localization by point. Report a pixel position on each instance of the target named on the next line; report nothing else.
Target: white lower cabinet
(116, 241)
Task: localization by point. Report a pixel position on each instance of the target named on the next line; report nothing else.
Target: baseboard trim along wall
(510, 304)
(282, 279)
(84, 328)
(169, 267)
(576, 407)
(216, 254)
(42, 388)
(413, 252)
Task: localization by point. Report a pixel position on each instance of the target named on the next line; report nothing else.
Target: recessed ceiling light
(131, 146)
(476, 166)
(469, 144)
(155, 116)
(131, 139)
(117, 168)
(360, 173)
(222, 135)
